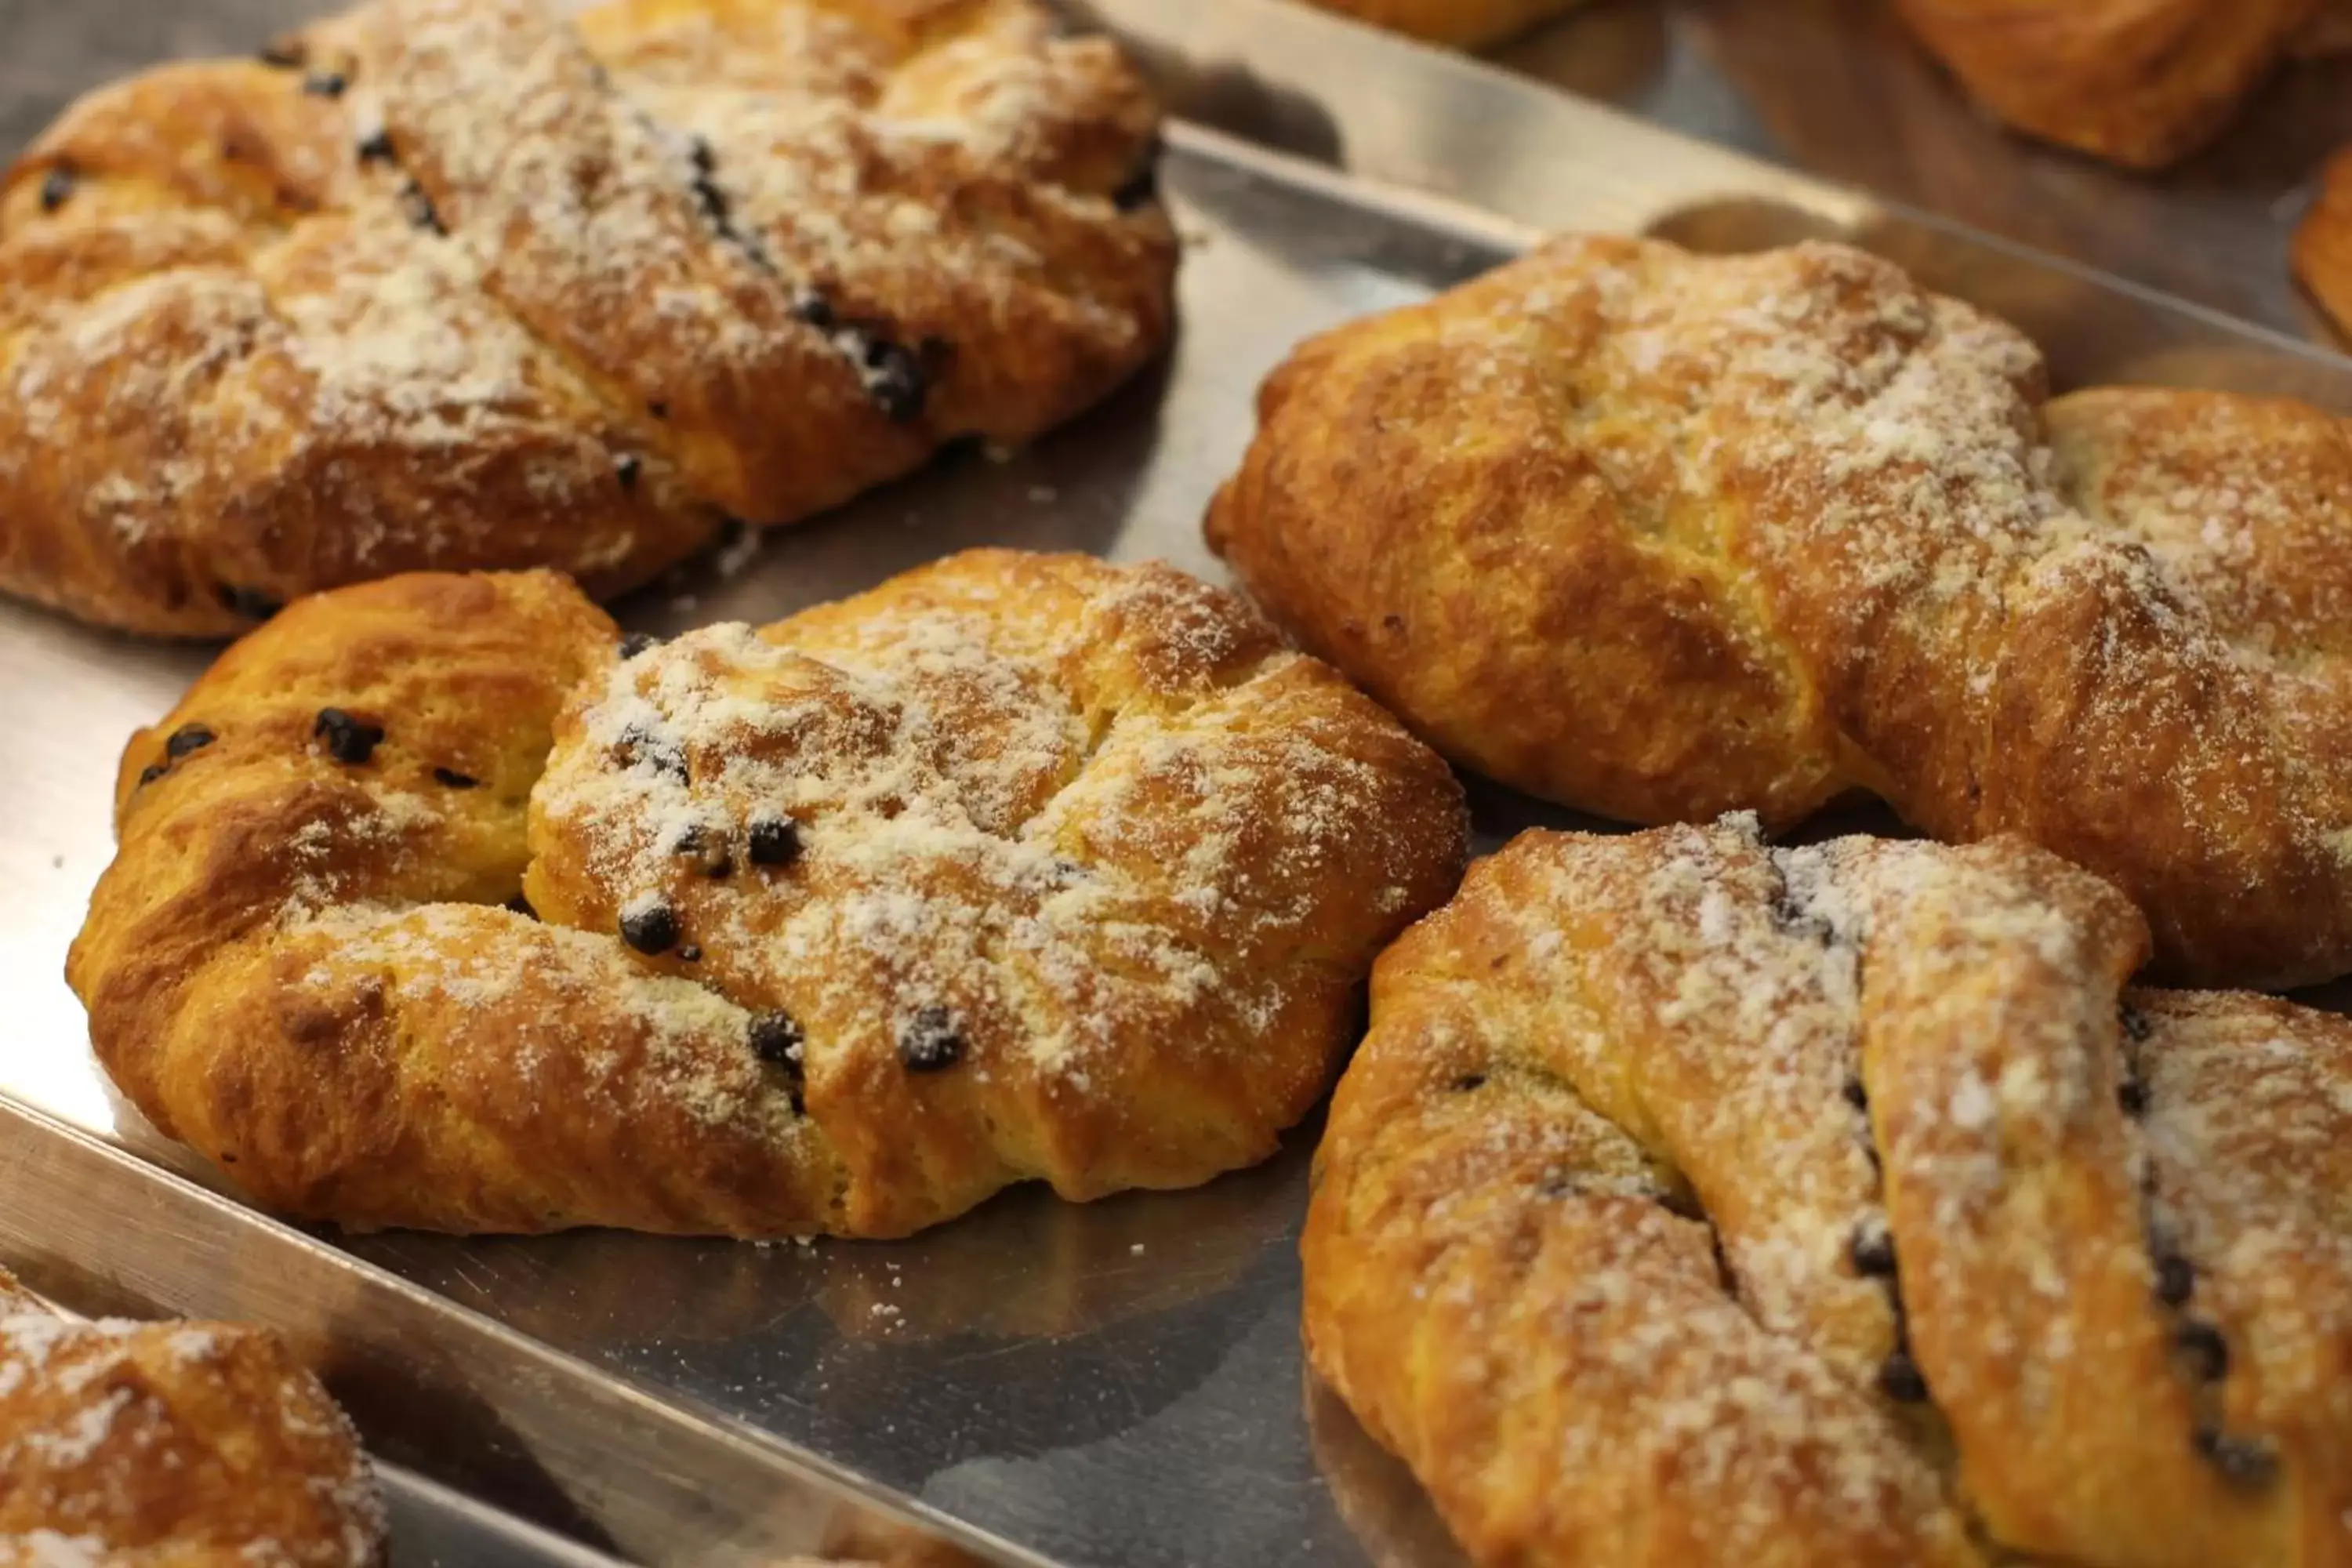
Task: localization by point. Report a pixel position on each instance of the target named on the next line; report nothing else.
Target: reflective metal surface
(1839, 88)
(1118, 1385)
(460, 1407)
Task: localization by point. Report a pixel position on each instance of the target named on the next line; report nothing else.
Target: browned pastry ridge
(1696, 1201)
(1660, 536)
(2140, 82)
(453, 284)
(2323, 243)
(1016, 867)
(172, 1444)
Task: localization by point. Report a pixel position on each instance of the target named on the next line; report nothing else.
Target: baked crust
(2323, 243)
(465, 286)
(1660, 535)
(172, 1445)
(1694, 1201)
(1460, 24)
(1016, 867)
(2140, 83)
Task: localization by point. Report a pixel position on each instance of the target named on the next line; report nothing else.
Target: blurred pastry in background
(172, 1444)
(2323, 245)
(2138, 82)
(1463, 23)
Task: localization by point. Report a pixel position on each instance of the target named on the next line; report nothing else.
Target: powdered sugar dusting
(966, 824)
(102, 1424)
(2069, 1196)
(568, 290)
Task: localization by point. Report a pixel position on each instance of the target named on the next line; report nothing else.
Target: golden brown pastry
(1694, 1201)
(457, 284)
(2140, 82)
(172, 1444)
(1462, 24)
(1661, 535)
(2323, 243)
(1016, 867)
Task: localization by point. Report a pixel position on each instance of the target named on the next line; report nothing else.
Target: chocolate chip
(1141, 188)
(378, 149)
(658, 408)
(422, 213)
(689, 954)
(2136, 1023)
(774, 841)
(638, 743)
(816, 310)
(1901, 1380)
(2202, 1346)
(325, 84)
(637, 643)
(714, 205)
(58, 186)
(2176, 1279)
(1855, 1095)
(188, 738)
(455, 779)
(349, 740)
(2244, 1460)
(286, 55)
(652, 929)
(1872, 1251)
(626, 467)
(251, 603)
(929, 1041)
(776, 1039)
(2132, 1095)
(894, 379)
(150, 773)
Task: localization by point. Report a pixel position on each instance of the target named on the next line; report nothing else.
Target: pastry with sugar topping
(1696, 1201)
(1017, 867)
(462, 284)
(1660, 535)
(191, 1445)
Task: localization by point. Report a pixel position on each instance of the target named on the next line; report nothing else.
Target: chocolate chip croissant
(459, 284)
(172, 1444)
(438, 905)
(1693, 1200)
(1660, 535)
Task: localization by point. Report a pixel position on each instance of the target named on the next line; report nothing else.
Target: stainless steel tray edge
(1391, 113)
(468, 1403)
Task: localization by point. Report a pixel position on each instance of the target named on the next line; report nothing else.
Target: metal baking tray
(1839, 88)
(1114, 1386)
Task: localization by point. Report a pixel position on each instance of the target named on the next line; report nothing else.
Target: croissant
(1693, 1200)
(1660, 536)
(2141, 82)
(435, 906)
(171, 1446)
(455, 284)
